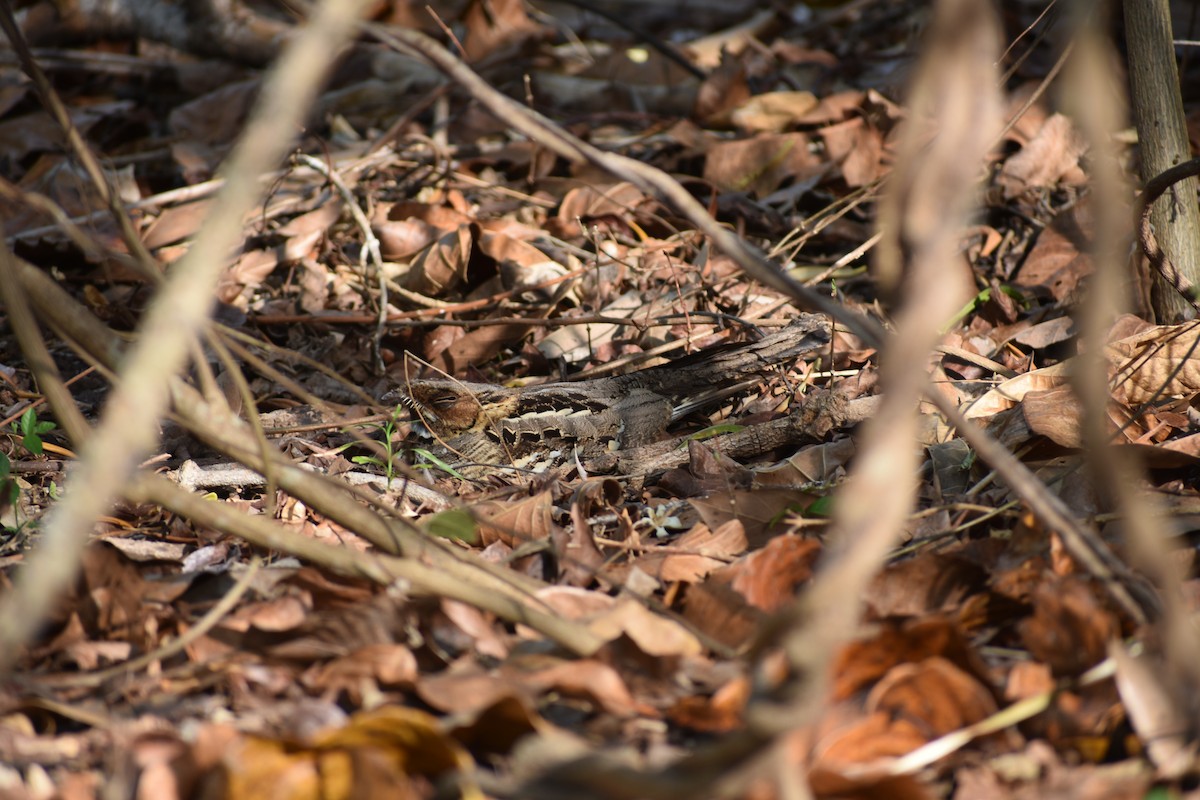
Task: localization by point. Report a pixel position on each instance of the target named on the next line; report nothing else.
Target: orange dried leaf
(518, 523)
(769, 578)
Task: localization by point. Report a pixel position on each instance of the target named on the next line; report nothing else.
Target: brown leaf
(857, 148)
(477, 347)
(769, 578)
(712, 550)
(498, 25)
(1055, 414)
(402, 239)
(598, 682)
(480, 627)
(515, 524)
(406, 228)
(934, 693)
(412, 739)
(1028, 679)
(1059, 260)
(574, 603)
(715, 608)
(248, 272)
(147, 549)
(217, 117)
(927, 583)
(375, 665)
(724, 89)
(773, 112)
(758, 511)
(442, 266)
(864, 662)
(588, 202)
(495, 728)
(1158, 363)
(818, 463)
(1070, 628)
(1013, 390)
(758, 165)
(503, 248)
(654, 634)
(176, 223)
(38, 131)
(1050, 158)
(1045, 334)
(720, 713)
(1172, 454)
(467, 690)
(840, 755)
(280, 614)
(836, 107)
(579, 556)
(304, 231)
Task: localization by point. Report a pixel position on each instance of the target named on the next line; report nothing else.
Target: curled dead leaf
(442, 266)
(1158, 363)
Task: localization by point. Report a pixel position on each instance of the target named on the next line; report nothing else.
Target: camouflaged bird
(480, 426)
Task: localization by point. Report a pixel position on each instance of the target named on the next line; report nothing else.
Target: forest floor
(384, 623)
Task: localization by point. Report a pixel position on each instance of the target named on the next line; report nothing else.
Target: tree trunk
(1162, 133)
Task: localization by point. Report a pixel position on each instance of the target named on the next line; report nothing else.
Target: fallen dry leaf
(1050, 158)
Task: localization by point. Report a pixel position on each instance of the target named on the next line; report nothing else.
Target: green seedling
(31, 430)
(388, 429)
(978, 300)
(28, 430)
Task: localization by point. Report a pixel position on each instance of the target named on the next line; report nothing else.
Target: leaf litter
(331, 672)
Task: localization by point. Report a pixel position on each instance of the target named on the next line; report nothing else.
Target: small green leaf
(430, 459)
(717, 430)
(367, 460)
(1160, 793)
(31, 431)
(1015, 294)
(452, 524)
(975, 302)
(32, 426)
(821, 507)
(5, 466)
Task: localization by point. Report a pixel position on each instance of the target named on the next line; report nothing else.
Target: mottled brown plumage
(483, 426)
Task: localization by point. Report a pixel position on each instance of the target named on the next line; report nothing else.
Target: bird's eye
(443, 401)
